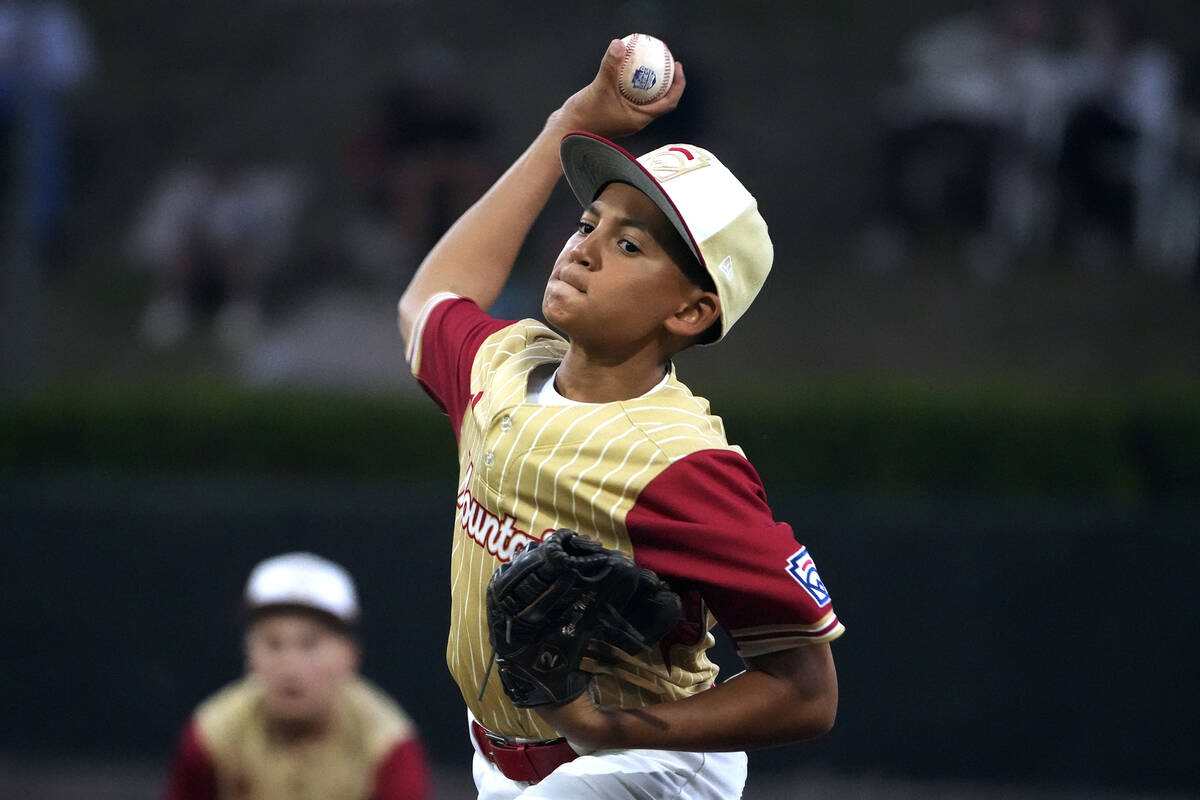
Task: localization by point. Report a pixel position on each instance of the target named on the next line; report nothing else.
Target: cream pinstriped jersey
(527, 469)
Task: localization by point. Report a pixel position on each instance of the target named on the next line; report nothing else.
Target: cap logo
(726, 267)
(671, 162)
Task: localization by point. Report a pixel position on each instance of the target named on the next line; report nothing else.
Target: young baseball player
(589, 428)
(302, 724)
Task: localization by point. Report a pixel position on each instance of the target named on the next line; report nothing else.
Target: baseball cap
(713, 212)
(303, 580)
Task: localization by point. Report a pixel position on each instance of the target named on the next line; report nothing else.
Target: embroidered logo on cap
(671, 162)
(726, 267)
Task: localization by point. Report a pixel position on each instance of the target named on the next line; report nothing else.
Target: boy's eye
(628, 246)
(585, 227)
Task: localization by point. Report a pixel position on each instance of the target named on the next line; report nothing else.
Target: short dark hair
(695, 272)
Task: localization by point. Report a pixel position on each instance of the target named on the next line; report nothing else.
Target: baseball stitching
(668, 73)
(630, 46)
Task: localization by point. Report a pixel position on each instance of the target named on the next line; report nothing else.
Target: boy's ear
(697, 316)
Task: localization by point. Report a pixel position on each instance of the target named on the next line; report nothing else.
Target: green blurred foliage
(886, 438)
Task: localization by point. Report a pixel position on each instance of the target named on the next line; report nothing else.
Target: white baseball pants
(624, 775)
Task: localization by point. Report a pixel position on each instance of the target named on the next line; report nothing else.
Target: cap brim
(345, 625)
(591, 162)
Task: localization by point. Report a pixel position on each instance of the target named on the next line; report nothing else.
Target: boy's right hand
(600, 107)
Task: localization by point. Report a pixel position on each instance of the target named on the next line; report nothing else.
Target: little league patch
(801, 567)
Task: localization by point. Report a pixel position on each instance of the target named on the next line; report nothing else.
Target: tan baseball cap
(306, 581)
(716, 216)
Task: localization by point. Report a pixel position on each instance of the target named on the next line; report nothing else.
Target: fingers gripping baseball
(555, 600)
(601, 108)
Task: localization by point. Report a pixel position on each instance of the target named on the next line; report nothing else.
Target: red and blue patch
(801, 567)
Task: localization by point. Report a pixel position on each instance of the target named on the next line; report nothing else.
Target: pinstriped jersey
(652, 476)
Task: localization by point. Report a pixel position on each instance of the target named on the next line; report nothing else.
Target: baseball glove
(561, 599)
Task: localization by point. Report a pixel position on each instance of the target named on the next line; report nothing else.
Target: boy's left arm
(784, 696)
(703, 524)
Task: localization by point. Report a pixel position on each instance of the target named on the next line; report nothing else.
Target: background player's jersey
(652, 476)
(228, 751)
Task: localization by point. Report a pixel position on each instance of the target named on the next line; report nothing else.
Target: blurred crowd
(1018, 131)
(215, 234)
(1026, 132)
(45, 55)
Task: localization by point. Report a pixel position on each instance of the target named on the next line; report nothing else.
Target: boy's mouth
(574, 283)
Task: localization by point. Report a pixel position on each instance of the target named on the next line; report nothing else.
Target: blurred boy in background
(302, 723)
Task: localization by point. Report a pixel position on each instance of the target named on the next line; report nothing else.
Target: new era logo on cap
(713, 212)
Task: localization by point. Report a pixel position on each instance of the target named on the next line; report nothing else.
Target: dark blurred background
(972, 383)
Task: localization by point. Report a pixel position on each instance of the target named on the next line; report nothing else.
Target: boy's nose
(581, 253)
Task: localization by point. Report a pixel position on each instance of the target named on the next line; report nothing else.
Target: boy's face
(617, 278)
(301, 662)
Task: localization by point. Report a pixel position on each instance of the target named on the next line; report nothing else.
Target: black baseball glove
(563, 598)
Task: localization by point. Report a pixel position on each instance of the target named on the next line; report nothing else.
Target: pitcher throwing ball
(578, 444)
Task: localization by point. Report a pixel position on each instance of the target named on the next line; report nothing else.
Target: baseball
(647, 70)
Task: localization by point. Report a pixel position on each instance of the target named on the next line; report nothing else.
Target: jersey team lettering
(801, 567)
(499, 536)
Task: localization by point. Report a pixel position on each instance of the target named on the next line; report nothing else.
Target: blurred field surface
(64, 779)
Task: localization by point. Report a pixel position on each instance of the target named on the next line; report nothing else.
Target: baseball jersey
(227, 752)
(653, 477)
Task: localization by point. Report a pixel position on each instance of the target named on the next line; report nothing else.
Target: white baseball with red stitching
(647, 69)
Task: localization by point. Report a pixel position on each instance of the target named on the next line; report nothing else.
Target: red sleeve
(404, 774)
(703, 524)
(193, 775)
(446, 338)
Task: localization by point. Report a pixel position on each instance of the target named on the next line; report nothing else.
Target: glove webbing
(575, 564)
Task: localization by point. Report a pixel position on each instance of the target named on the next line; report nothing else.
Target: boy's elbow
(407, 311)
(815, 718)
(825, 718)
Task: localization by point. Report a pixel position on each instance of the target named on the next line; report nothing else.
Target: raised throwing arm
(476, 255)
